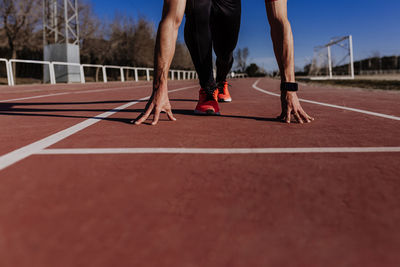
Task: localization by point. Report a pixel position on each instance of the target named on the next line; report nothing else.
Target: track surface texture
(80, 186)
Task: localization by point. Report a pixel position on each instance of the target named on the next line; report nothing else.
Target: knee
(172, 15)
(172, 19)
(177, 21)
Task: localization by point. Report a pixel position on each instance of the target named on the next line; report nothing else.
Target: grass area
(359, 83)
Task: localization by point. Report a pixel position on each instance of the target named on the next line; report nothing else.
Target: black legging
(212, 24)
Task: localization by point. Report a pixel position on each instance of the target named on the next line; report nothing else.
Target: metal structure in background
(61, 38)
(323, 68)
(60, 22)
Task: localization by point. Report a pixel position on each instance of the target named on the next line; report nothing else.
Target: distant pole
(330, 62)
(351, 56)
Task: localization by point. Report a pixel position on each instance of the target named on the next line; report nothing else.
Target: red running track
(76, 191)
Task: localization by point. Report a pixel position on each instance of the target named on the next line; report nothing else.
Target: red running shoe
(223, 92)
(208, 104)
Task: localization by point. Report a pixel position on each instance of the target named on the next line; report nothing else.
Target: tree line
(252, 70)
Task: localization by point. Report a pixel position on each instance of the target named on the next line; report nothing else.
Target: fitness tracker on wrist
(291, 87)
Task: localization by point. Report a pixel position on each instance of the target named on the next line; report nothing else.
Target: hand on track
(159, 102)
(291, 106)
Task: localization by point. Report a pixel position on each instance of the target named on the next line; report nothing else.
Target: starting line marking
(87, 151)
(34, 148)
(330, 105)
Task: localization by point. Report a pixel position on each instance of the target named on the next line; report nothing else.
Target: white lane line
(74, 92)
(32, 97)
(110, 89)
(330, 105)
(34, 148)
(87, 151)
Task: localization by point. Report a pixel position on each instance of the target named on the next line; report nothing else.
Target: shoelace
(221, 87)
(210, 92)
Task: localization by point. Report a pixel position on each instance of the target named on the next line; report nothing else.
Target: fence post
(148, 74)
(8, 73)
(136, 75)
(122, 74)
(82, 71)
(172, 75)
(12, 81)
(52, 73)
(104, 74)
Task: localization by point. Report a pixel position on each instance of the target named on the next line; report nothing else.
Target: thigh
(199, 9)
(225, 25)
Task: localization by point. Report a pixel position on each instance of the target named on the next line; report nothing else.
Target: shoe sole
(225, 100)
(208, 113)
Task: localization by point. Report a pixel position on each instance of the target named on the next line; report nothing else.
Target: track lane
(381, 101)
(247, 122)
(33, 148)
(27, 121)
(366, 112)
(163, 210)
(206, 210)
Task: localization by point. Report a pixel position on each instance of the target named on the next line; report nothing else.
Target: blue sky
(374, 24)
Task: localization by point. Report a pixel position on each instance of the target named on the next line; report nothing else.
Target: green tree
(253, 70)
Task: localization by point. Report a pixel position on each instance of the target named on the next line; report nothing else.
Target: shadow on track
(20, 109)
(190, 112)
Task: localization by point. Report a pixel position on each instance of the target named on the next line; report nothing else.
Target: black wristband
(291, 87)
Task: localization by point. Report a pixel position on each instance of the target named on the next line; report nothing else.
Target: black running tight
(212, 24)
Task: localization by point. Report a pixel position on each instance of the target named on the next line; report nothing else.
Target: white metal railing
(10, 72)
(7, 70)
(233, 75)
(81, 70)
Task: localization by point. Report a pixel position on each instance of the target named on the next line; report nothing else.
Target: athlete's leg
(282, 38)
(164, 51)
(198, 39)
(225, 21)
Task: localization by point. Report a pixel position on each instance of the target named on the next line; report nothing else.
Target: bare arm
(167, 34)
(282, 38)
